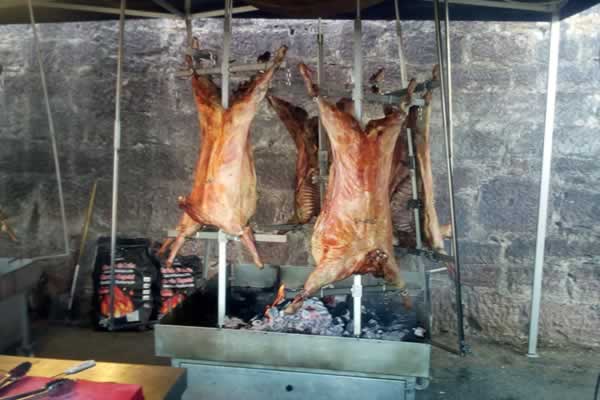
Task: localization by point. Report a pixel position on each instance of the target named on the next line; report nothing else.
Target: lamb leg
(187, 227)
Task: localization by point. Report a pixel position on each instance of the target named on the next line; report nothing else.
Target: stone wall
(499, 76)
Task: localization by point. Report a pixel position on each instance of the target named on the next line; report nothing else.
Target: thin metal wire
(116, 150)
(61, 199)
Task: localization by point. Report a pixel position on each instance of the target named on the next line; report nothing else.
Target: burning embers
(330, 316)
(278, 300)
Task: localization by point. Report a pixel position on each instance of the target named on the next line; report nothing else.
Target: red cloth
(82, 390)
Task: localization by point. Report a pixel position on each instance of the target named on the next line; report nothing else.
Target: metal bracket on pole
(447, 124)
(357, 97)
(222, 294)
(536, 294)
(116, 150)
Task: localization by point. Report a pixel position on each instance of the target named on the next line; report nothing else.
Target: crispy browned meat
(305, 133)
(224, 189)
(353, 234)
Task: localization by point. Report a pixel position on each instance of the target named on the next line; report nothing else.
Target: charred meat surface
(305, 133)
(353, 233)
(224, 189)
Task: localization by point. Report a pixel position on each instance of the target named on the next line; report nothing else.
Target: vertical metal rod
(428, 309)
(403, 73)
(323, 155)
(207, 251)
(61, 200)
(448, 70)
(447, 122)
(188, 21)
(544, 184)
(226, 54)
(222, 294)
(117, 148)
(222, 237)
(415, 196)
(357, 97)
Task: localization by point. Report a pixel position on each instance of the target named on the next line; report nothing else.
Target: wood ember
(317, 318)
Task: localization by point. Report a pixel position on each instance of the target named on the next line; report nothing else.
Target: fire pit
(263, 353)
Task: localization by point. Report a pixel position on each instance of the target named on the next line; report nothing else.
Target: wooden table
(157, 382)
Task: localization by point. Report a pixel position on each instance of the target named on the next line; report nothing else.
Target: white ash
(316, 318)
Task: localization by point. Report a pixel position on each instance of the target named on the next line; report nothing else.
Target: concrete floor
(491, 372)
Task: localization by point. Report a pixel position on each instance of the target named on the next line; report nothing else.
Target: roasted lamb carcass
(224, 190)
(353, 233)
(305, 133)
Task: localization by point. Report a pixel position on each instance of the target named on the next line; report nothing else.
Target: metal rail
(52, 132)
(544, 184)
(512, 5)
(128, 12)
(447, 123)
(116, 150)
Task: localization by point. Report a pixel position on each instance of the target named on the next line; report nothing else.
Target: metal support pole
(403, 75)
(222, 239)
(448, 70)
(323, 155)
(415, 197)
(188, 22)
(357, 97)
(226, 54)
(544, 184)
(447, 122)
(61, 200)
(117, 148)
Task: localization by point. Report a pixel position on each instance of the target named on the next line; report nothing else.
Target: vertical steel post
(413, 172)
(188, 22)
(447, 123)
(415, 197)
(222, 291)
(226, 54)
(323, 155)
(544, 184)
(222, 237)
(116, 149)
(403, 73)
(61, 200)
(357, 96)
(448, 70)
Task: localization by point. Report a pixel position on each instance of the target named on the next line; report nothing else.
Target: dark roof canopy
(15, 11)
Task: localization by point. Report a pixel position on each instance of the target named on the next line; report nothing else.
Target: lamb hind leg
(186, 227)
(248, 241)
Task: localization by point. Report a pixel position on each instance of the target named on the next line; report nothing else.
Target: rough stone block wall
(499, 78)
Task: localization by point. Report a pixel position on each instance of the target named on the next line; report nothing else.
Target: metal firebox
(227, 364)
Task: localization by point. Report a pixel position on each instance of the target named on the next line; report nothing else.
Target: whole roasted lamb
(224, 189)
(353, 233)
